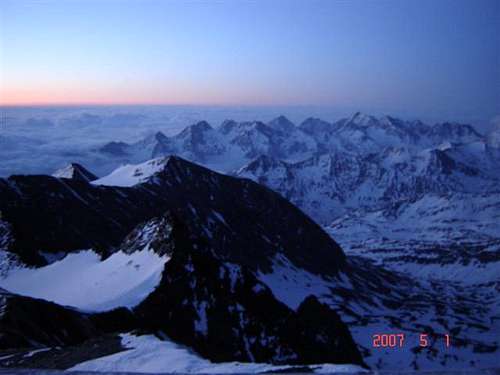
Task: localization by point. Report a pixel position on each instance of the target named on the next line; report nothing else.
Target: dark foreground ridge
(218, 308)
(225, 313)
(244, 222)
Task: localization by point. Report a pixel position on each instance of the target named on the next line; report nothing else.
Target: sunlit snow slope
(84, 281)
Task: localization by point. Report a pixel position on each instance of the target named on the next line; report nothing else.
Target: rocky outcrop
(29, 322)
(225, 313)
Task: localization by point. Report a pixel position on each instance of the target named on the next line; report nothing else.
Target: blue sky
(438, 57)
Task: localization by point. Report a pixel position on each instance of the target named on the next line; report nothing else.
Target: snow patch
(84, 281)
(148, 354)
(133, 174)
(292, 285)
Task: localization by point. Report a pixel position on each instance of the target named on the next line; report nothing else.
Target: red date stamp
(398, 340)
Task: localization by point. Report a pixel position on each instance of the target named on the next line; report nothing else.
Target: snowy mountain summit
(75, 171)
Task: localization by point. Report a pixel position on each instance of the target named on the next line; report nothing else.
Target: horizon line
(121, 104)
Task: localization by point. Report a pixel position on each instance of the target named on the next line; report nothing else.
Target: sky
(421, 57)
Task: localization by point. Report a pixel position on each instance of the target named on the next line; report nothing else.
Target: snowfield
(84, 281)
(148, 354)
(129, 175)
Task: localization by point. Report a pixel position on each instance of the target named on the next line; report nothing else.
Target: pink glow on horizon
(71, 95)
(92, 95)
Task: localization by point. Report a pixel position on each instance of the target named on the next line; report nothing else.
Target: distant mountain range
(330, 169)
(164, 246)
(281, 139)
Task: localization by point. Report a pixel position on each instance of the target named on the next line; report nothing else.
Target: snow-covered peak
(233, 144)
(227, 126)
(282, 124)
(362, 119)
(257, 125)
(199, 127)
(390, 121)
(160, 137)
(75, 171)
(132, 174)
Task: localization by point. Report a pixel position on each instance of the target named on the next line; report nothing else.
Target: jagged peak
(258, 126)
(281, 123)
(361, 119)
(357, 116)
(199, 127)
(75, 171)
(134, 174)
(228, 122)
(392, 121)
(176, 163)
(281, 119)
(227, 125)
(440, 160)
(160, 136)
(173, 163)
(160, 234)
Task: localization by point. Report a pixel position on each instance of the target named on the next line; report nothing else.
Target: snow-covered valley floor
(458, 295)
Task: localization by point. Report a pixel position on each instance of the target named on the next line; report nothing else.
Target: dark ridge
(244, 222)
(219, 309)
(225, 313)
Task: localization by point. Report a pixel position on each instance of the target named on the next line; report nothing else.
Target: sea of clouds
(40, 140)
